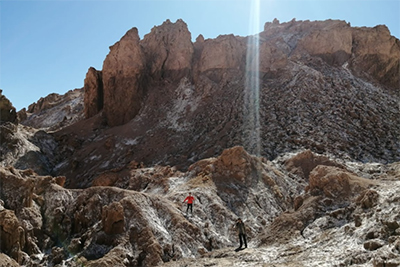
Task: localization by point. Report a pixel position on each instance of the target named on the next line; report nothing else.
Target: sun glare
(252, 140)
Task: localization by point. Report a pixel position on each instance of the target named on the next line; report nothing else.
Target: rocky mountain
(295, 129)
(323, 85)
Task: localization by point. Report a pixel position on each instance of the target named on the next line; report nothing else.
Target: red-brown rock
(93, 92)
(123, 74)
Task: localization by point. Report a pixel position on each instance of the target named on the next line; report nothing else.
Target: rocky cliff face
(324, 86)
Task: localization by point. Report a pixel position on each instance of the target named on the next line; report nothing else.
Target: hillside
(304, 146)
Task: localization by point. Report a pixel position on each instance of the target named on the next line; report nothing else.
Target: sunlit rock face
(169, 51)
(177, 102)
(318, 91)
(55, 111)
(122, 74)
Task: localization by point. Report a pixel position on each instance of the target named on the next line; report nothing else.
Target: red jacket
(189, 199)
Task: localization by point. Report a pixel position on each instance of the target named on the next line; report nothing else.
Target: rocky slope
(29, 144)
(54, 111)
(300, 210)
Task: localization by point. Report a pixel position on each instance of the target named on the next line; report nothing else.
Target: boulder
(7, 261)
(304, 162)
(334, 182)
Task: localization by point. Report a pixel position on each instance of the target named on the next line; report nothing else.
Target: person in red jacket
(189, 200)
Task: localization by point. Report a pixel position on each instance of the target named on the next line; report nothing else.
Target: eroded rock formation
(93, 93)
(55, 111)
(319, 89)
(7, 110)
(144, 224)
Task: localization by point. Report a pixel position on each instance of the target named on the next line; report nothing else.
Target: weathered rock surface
(320, 89)
(54, 111)
(7, 110)
(144, 224)
(27, 148)
(169, 51)
(123, 74)
(93, 93)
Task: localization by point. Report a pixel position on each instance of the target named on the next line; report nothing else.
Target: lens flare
(252, 139)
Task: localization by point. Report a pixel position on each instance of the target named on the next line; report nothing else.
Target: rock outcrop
(169, 51)
(55, 111)
(27, 148)
(123, 75)
(93, 93)
(376, 54)
(145, 226)
(7, 110)
(318, 91)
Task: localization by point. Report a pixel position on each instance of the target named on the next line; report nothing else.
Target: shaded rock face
(7, 110)
(93, 93)
(377, 54)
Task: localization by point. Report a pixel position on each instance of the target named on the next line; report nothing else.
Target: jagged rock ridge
(320, 89)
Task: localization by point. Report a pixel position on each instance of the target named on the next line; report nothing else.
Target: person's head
(190, 193)
(239, 220)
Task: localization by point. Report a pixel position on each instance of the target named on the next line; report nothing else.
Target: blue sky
(47, 46)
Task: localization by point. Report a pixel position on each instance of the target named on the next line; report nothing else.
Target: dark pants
(242, 239)
(191, 208)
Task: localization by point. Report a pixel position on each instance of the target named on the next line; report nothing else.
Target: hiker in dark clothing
(241, 230)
